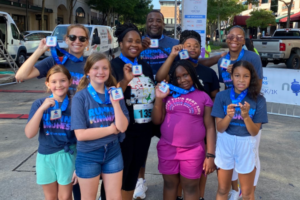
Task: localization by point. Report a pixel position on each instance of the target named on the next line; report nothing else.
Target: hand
(74, 178)
(176, 49)
(114, 129)
(159, 94)
(146, 43)
(49, 102)
(42, 46)
(245, 109)
(127, 69)
(209, 166)
(231, 110)
(229, 68)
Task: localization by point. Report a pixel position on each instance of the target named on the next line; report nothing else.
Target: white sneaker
(140, 189)
(234, 195)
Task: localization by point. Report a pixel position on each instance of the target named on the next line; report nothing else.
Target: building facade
(167, 8)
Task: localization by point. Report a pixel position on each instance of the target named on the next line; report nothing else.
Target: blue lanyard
(177, 91)
(239, 98)
(95, 96)
(127, 61)
(67, 55)
(193, 60)
(239, 58)
(64, 104)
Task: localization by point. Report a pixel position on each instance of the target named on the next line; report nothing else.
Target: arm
(159, 109)
(253, 128)
(121, 120)
(210, 61)
(27, 70)
(222, 124)
(95, 133)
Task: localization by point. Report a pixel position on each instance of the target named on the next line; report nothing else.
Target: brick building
(167, 8)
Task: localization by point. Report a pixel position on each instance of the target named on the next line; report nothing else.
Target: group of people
(86, 135)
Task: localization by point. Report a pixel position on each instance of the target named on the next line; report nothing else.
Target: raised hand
(127, 69)
(49, 102)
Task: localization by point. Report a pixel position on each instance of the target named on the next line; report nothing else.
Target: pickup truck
(282, 47)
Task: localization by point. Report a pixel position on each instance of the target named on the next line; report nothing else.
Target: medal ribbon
(193, 60)
(95, 96)
(177, 91)
(239, 58)
(67, 55)
(64, 104)
(240, 96)
(127, 61)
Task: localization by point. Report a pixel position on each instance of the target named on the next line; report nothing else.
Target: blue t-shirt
(87, 113)
(54, 135)
(155, 57)
(249, 56)
(257, 112)
(75, 69)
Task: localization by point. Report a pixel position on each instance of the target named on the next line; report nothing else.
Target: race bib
(142, 113)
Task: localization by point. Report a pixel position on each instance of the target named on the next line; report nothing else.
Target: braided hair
(187, 34)
(123, 29)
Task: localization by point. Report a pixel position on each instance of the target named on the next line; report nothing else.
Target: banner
(194, 14)
(281, 86)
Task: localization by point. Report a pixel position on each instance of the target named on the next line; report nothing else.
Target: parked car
(101, 39)
(282, 47)
(12, 39)
(33, 38)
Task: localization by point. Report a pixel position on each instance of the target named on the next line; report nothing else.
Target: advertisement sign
(194, 15)
(281, 86)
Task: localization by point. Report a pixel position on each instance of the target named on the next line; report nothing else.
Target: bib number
(142, 113)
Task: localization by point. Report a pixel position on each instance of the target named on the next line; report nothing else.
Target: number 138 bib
(142, 113)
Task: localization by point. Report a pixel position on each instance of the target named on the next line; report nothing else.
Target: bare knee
(247, 195)
(64, 196)
(170, 184)
(190, 188)
(116, 196)
(223, 191)
(51, 197)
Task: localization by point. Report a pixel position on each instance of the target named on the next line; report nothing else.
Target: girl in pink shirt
(186, 120)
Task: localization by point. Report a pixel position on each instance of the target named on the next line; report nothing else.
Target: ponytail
(83, 83)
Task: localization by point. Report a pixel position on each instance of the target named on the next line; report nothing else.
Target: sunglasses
(237, 37)
(74, 37)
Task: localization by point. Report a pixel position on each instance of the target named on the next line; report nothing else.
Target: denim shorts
(107, 159)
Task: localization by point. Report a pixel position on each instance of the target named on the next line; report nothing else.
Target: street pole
(175, 35)
(26, 15)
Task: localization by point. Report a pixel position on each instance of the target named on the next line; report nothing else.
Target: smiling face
(99, 72)
(241, 78)
(131, 45)
(236, 40)
(76, 47)
(184, 79)
(155, 25)
(193, 47)
(58, 84)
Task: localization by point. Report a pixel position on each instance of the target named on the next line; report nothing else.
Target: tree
(72, 4)
(289, 6)
(261, 18)
(43, 11)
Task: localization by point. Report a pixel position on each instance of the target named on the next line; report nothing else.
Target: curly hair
(190, 69)
(123, 29)
(189, 34)
(254, 88)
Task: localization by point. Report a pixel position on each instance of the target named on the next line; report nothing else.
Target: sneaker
(140, 189)
(179, 198)
(234, 195)
(240, 195)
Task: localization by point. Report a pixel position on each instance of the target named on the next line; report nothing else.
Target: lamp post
(175, 33)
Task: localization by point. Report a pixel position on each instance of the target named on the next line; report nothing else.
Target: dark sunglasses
(74, 37)
(237, 37)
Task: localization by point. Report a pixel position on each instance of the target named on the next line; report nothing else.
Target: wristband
(209, 155)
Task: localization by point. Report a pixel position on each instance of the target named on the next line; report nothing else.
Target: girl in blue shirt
(55, 160)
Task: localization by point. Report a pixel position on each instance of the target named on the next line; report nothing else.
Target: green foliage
(261, 18)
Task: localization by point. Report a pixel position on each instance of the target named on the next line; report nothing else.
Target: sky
(156, 4)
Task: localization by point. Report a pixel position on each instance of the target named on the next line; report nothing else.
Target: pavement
(279, 153)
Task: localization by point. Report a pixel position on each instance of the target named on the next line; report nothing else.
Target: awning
(294, 17)
(279, 18)
(240, 20)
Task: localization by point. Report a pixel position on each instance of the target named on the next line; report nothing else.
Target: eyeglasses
(74, 37)
(237, 37)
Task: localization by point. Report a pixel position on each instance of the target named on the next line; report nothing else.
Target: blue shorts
(107, 159)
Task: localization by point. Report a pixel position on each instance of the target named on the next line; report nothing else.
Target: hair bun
(122, 28)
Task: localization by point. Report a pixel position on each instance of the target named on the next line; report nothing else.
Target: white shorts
(236, 152)
(235, 174)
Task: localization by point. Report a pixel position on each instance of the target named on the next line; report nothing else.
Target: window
(172, 21)
(15, 32)
(80, 12)
(33, 36)
(265, 1)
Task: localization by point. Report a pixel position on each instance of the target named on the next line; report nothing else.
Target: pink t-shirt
(183, 127)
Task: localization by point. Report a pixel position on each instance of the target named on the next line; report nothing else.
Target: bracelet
(209, 155)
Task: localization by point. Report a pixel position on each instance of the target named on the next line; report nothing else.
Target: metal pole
(175, 35)
(26, 15)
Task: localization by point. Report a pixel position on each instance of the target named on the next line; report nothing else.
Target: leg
(179, 190)
(89, 187)
(102, 193)
(112, 185)
(127, 195)
(202, 186)
(234, 185)
(65, 192)
(190, 188)
(50, 191)
(224, 180)
(247, 181)
(76, 192)
(171, 183)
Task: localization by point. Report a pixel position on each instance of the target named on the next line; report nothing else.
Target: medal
(154, 43)
(163, 87)
(183, 54)
(117, 94)
(51, 41)
(225, 63)
(55, 114)
(137, 70)
(239, 98)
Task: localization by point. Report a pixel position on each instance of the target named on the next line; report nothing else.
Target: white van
(101, 39)
(12, 39)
